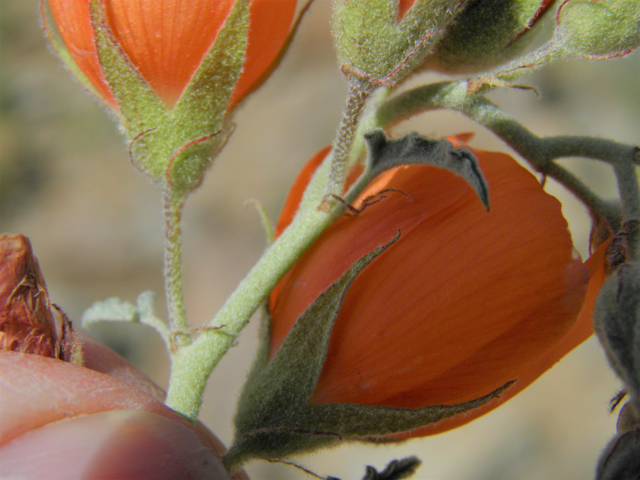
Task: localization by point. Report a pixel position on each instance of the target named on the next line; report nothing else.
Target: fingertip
(119, 444)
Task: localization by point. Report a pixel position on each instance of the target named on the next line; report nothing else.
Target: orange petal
(167, 40)
(350, 238)
(465, 292)
(74, 24)
(580, 331)
(269, 25)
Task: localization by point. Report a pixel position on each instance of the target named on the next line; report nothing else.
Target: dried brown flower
(27, 319)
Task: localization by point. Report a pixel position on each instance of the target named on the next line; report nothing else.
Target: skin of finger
(118, 444)
(37, 390)
(104, 360)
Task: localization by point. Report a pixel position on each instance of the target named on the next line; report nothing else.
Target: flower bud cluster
(387, 40)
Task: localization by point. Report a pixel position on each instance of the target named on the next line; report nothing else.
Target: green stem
(359, 91)
(173, 205)
(539, 152)
(192, 365)
(629, 188)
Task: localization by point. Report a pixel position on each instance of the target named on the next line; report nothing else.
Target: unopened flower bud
(382, 41)
(599, 28)
(171, 72)
(167, 43)
(488, 33)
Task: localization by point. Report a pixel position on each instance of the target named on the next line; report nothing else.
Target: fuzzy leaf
(111, 310)
(116, 310)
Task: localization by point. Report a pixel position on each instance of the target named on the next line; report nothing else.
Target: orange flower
(167, 40)
(464, 302)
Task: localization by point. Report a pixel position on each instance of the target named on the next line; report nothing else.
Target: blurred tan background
(95, 224)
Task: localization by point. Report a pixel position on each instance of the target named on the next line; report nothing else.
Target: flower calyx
(174, 145)
(591, 29)
(274, 419)
(598, 29)
(488, 33)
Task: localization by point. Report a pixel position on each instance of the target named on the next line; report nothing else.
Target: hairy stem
(539, 152)
(629, 188)
(173, 205)
(359, 91)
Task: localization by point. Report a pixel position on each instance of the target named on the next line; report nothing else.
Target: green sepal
(139, 105)
(175, 146)
(272, 405)
(371, 43)
(374, 423)
(416, 149)
(599, 29)
(487, 34)
(200, 111)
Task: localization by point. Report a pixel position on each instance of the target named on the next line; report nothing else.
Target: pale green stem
(192, 365)
(368, 123)
(173, 205)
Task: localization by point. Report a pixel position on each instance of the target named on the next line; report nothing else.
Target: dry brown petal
(26, 322)
(27, 317)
